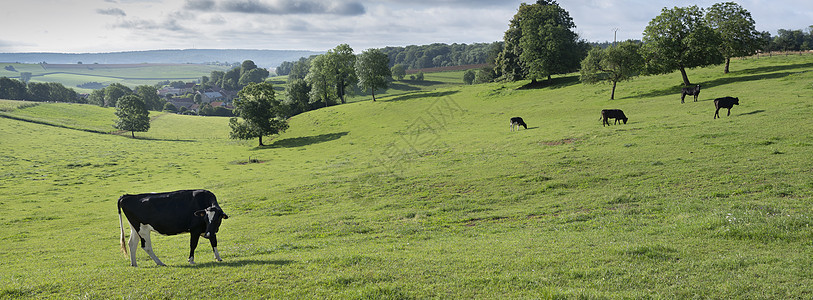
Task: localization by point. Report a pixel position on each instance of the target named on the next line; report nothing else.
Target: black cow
(616, 114)
(517, 121)
(193, 211)
(691, 91)
(725, 102)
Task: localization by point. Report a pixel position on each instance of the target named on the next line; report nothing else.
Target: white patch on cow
(135, 236)
(217, 254)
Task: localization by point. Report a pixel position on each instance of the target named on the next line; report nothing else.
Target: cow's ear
(225, 216)
(200, 213)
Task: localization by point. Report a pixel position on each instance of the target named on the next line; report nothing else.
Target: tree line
(540, 42)
(13, 89)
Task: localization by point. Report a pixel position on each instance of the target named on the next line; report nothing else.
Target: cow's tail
(121, 226)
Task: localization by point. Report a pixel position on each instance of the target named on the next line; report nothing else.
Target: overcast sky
(125, 25)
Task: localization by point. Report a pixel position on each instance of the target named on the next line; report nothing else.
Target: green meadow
(429, 195)
(131, 75)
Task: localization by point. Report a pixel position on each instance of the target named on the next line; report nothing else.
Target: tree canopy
(373, 70)
(678, 39)
(540, 42)
(613, 64)
(133, 114)
(262, 114)
(736, 30)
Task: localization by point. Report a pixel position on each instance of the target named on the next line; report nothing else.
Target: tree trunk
(373, 95)
(612, 96)
(727, 62)
(685, 78)
(133, 132)
(261, 141)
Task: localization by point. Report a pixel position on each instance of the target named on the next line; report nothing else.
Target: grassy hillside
(428, 195)
(132, 75)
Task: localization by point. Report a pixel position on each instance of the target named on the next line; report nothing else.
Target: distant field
(426, 194)
(132, 75)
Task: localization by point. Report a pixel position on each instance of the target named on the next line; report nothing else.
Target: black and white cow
(517, 122)
(691, 91)
(616, 114)
(725, 102)
(193, 211)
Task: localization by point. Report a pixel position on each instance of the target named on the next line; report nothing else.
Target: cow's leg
(193, 243)
(717, 113)
(133, 243)
(213, 241)
(729, 112)
(682, 96)
(146, 244)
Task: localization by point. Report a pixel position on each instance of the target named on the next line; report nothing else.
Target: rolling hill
(429, 195)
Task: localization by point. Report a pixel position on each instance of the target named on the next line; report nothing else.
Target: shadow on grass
(417, 95)
(759, 111)
(239, 263)
(127, 135)
(752, 74)
(558, 82)
(303, 141)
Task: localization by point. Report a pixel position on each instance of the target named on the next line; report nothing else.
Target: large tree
(322, 79)
(12, 89)
(344, 61)
(373, 71)
(613, 64)
(540, 42)
(262, 114)
(133, 114)
(734, 25)
(678, 39)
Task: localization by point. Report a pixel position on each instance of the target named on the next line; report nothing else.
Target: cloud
(201, 5)
(111, 12)
(279, 7)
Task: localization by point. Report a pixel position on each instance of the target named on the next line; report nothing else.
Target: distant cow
(516, 122)
(616, 114)
(193, 211)
(725, 102)
(691, 91)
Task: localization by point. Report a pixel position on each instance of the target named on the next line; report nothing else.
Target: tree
(677, 39)
(322, 79)
(484, 75)
(149, 94)
(398, 71)
(343, 60)
(262, 114)
(373, 70)
(25, 76)
(540, 42)
(170, 107)
(468, 77)
(298, 99)
(113, 92)
(96, 97)
(613, 64)
(133, 115)
(736, 29)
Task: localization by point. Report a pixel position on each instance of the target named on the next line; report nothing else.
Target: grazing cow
(517, 122)
(725, 102)
(691, 91)
(193, 211)
(616, 114)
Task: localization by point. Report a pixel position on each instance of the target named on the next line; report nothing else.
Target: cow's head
(737, 101)
(213, 216)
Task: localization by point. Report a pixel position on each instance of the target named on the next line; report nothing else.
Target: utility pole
(615, 34)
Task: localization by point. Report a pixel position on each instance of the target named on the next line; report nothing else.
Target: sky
(93, 26)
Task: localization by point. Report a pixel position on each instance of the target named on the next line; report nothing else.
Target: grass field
(131, 75)
(428, 195)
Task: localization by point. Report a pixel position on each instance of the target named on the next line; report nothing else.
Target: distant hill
(263, 58)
